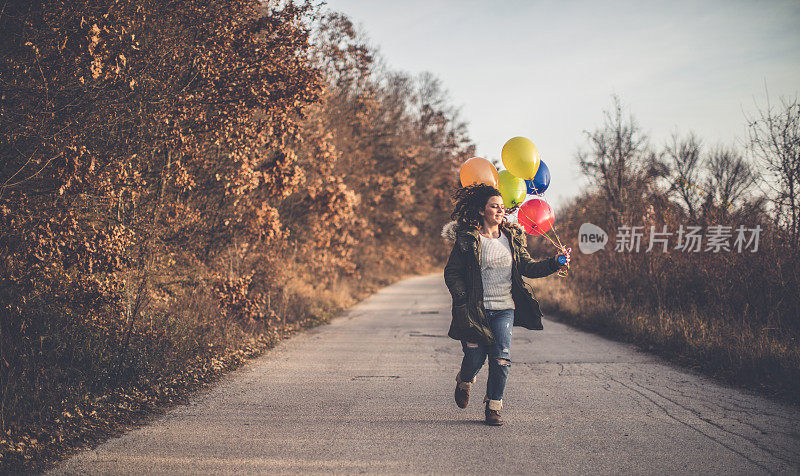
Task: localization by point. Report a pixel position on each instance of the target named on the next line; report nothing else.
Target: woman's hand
(565, 253)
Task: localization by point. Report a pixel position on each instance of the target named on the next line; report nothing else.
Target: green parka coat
(462, 274)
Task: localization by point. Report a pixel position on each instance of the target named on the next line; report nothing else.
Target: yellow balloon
(512, 189)
(521, 157)
(478, 170)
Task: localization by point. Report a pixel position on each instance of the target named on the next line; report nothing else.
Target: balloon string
(553, 226)
(557, 238)
(562, 272)
(550, 240)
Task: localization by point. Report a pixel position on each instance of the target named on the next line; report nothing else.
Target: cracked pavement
(372, 392)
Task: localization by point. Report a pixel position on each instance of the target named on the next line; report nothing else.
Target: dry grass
(726, 347)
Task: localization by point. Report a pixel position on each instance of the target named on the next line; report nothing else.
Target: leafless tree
(729, 177)
(683, 159)
(774, 141)
(619, 160)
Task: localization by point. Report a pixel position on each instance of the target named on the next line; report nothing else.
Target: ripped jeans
(501, 322)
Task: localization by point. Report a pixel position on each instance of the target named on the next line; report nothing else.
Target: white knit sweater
(496, 265)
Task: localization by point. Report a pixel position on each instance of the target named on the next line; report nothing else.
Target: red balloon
(536, 216)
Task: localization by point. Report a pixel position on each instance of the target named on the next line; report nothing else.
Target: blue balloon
(540, 181)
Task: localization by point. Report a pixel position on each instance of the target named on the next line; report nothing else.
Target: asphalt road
(372, 392)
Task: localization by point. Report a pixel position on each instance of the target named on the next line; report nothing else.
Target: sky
(546, 70)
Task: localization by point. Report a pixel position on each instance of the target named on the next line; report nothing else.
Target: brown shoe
(493, 412)
(462, 391)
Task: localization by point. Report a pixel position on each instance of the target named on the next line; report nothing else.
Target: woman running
(484, 276)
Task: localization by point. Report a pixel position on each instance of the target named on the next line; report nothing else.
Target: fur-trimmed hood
(450, 229)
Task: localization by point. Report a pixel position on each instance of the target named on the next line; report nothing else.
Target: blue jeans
(501, 322)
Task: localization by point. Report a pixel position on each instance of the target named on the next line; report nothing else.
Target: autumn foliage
(179, 176)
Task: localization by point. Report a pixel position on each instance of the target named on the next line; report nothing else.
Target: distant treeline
(180, 176)
(733, 311)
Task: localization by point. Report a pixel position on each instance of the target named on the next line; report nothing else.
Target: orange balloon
(478, 170)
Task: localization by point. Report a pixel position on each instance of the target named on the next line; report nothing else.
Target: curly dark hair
(469, 201)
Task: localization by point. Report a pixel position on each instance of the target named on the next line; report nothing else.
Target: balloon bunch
(525, 174)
